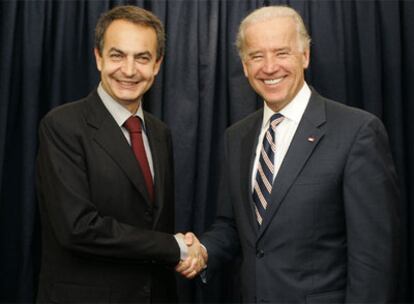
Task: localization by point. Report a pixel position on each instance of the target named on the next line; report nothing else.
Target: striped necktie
(265, 169)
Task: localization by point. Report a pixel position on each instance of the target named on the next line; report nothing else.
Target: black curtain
(362, 55)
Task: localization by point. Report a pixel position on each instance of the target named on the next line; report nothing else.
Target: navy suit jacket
(331, 233)
(102, 238)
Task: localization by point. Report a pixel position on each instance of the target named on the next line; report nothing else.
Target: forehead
(129, 36)
(277, 32)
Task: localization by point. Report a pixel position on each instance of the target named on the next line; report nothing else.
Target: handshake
(196, 259)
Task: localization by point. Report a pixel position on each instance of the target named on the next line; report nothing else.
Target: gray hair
(269, 13)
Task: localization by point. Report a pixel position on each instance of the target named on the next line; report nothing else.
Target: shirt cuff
(203, 273)
(183, 247)
(203, 276)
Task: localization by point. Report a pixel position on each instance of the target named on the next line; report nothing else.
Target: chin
(274, 104)
(275, 95)
(128, 97)
(129, 100)
(274, 101)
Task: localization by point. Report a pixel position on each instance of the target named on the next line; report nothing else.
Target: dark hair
(132, 14)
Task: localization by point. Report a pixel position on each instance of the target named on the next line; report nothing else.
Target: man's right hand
(196, 260)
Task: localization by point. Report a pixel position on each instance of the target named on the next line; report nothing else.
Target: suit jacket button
(259, 253)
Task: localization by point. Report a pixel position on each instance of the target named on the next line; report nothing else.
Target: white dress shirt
(285, 131)
(121, 114)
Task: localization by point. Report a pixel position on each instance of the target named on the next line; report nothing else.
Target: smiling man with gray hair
(309, 191)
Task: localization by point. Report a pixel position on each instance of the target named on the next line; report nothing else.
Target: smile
(273, 81)
(127, 83)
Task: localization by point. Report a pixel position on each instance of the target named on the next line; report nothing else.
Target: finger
(179, 267)
(204, 254)
(183, 265)
(189, 238)
(191, 275)
(200, 266)
(192, 267)
(187, 272)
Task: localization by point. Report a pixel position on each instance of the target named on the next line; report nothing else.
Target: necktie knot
(133, 124)
(275, 120)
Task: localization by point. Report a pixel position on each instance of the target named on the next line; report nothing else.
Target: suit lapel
(249, 141)
(306, 138)
(156, 149)
(109, 136)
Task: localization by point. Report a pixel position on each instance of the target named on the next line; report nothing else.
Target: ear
(245, 70)
(98, 59)
(306, 58)
(157, 66)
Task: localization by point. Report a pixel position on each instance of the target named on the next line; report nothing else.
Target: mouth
(127, 83)
(273, 81)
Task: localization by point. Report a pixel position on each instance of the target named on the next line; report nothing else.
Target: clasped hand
(197, 257)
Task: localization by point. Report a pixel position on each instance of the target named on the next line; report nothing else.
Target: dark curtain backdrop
(362, 55)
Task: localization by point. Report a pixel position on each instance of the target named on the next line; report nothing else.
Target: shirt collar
(293, 110)
(118, 111)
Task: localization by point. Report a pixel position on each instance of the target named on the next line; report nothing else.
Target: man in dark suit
(309, 194)
(105, 178)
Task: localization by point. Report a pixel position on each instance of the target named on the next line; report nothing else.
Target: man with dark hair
(105, 178)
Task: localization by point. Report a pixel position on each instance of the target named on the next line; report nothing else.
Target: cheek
(149, 72)
(109, 67)
(252, 71)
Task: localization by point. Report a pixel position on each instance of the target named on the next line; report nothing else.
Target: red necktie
(133, 125)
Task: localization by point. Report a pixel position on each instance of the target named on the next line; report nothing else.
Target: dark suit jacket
(102, 239)
(331, 233)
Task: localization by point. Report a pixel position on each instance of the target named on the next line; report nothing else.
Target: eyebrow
(273, 50)
(112, 49)
(283, 49)
(145, 53)
(254, 53)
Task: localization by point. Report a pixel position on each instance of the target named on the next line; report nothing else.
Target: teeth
(127, 83)
(273, 81)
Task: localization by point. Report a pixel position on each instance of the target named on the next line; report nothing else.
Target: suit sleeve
(371, 198)
(222, 240)
(73, 219)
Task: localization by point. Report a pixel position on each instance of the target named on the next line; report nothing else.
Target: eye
(143, 59)
(282, 54)
(256, 57)
(115, 56)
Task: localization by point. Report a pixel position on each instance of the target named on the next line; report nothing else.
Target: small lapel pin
(311, 139)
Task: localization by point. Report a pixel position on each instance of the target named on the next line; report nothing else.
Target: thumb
(189, 238)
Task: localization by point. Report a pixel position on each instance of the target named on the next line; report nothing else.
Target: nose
(128, 67)
(270, 65)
